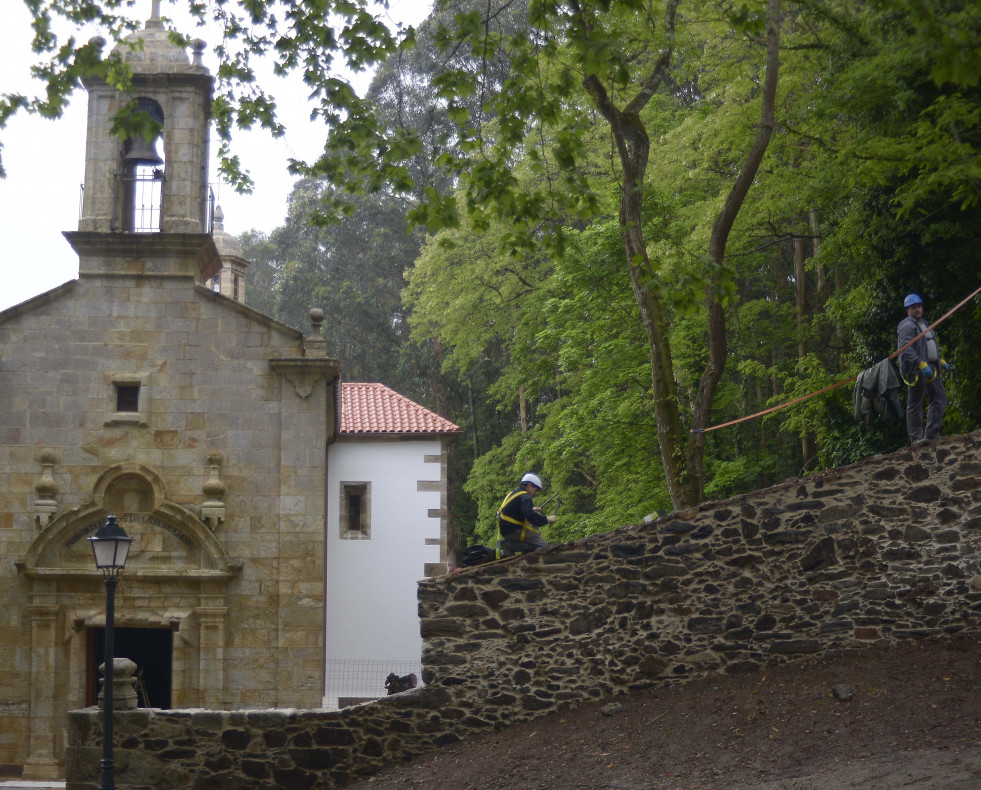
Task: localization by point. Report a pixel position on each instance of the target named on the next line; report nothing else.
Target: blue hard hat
(911, 300)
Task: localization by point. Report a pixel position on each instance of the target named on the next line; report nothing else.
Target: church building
(147, 389)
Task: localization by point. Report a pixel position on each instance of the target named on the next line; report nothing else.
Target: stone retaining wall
(881, 551)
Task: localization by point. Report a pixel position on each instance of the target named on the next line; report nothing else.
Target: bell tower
(146, 199)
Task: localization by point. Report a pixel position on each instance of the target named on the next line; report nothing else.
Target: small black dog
(395, 684)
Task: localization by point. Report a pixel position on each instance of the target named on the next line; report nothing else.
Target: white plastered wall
(372, 619)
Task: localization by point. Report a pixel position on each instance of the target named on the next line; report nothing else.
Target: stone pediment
(169, 542)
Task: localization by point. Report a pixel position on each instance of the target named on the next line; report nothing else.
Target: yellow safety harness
(941, 365)
(526, 528)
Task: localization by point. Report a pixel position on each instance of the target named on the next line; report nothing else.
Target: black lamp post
(110, 545)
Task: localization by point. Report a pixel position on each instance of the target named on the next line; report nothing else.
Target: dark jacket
(517, 511)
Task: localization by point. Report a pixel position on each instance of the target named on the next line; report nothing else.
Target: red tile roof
(374, 409)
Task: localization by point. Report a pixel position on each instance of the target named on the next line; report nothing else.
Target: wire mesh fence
(352, 680)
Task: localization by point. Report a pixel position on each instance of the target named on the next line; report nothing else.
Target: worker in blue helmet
(920, 365)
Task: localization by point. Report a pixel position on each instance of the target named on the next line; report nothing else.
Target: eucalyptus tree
(354, 270)
(263, 271)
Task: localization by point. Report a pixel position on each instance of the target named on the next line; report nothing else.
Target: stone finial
(46, 490)
(226, 243)
(315, 345)
(213, 509)
(230, 281)
(197, 52)
(123, 684)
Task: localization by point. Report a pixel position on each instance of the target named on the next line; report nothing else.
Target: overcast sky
(45, 165)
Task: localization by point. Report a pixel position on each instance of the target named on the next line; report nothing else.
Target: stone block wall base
(40, 770)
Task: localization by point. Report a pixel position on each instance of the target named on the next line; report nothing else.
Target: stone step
(21, 784)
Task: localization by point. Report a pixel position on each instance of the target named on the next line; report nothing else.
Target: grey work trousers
(934, 390)
(531, 542)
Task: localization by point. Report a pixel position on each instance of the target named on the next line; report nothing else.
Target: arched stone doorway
(175, 580)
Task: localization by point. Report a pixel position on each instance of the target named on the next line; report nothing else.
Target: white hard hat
(535, 480)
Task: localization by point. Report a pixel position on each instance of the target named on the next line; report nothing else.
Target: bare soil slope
(913, 720)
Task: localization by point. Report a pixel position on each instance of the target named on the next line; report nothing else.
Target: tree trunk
(682, 454)
(808, 444)
(522, 409)
(633, 147)
(473, 418)
(717, 249)
(800, 293)
(822, 281)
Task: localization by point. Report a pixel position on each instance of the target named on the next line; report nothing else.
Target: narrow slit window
(354, 512)
(355, 522)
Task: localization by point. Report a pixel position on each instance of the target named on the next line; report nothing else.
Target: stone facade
(219, 478)
(200, 423)
(871, 554)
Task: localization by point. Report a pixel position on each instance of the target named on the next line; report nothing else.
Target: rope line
(810, 395)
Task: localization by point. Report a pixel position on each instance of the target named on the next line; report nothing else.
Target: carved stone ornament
(314, 346)
(46, 490)
(303, 373)
(123, 682)
(213, 509)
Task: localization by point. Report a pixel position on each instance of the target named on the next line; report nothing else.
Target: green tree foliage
(861, 257)
(573, 336)
(580, 68)
(885, 151)
(599, 438)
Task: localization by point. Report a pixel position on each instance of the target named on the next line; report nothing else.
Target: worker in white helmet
(518, 519)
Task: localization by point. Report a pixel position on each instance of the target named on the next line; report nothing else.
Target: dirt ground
(913, 720)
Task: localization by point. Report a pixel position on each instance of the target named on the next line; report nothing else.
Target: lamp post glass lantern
(110, 545)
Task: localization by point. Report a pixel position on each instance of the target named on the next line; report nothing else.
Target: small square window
(355, 515)
(128, 398)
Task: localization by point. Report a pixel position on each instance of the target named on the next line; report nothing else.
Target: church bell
(140, 151)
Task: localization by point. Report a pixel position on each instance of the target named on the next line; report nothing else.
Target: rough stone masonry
(874, 553)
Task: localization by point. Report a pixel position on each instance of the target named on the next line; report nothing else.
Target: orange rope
(893, 355)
